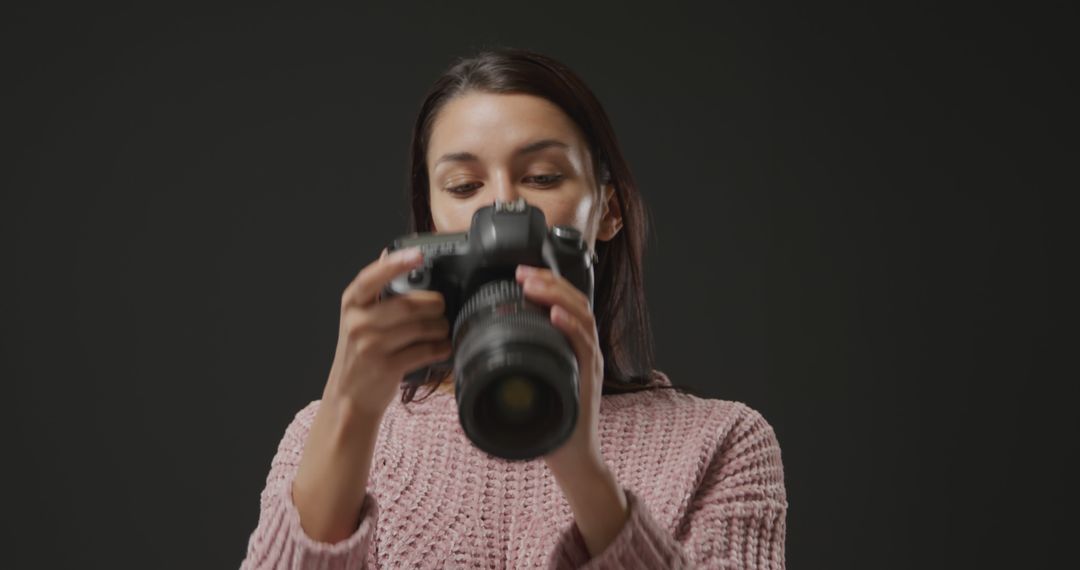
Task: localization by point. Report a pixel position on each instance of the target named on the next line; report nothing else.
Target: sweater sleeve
(736, 519)
(279, 541)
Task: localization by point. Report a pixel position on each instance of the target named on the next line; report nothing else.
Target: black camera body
(515, 374)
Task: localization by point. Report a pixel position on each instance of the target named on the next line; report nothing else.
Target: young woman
(650, 478)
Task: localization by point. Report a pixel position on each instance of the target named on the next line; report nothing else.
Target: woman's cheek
(571, 209)
(450, 217)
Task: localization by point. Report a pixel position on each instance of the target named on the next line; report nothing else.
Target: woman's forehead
(495, 125)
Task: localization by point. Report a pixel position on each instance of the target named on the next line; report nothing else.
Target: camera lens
(515, 399)
(516, 375)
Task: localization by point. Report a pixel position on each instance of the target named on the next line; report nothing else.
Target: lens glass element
(515, 399)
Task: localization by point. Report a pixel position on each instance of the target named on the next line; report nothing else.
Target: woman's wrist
(331, 480)
(599, 505)
(353, 420)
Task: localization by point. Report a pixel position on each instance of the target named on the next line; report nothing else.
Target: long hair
(619, 304)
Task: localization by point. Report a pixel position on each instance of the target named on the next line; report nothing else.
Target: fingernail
(410, 255)
(557, 314)
(525, 270)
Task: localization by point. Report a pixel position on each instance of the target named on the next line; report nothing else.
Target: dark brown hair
(619, 303)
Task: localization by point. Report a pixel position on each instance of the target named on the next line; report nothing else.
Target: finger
(544, 274)
(414, 305)
(581, 338)
(359, 322)
(364, 289)
(552, 290)
(420, 354)
(393, 340)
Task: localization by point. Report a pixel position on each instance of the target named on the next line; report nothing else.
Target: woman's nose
(505, 189)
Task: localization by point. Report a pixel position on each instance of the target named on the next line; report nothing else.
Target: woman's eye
(546, 179)
(543, 180)
(461, 189)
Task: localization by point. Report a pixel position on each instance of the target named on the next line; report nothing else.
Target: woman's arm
(279, 540)
(331, 480)
(599, 504)
(736, 518)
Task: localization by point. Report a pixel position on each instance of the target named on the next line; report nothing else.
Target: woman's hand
(598, 502)
(571, 314)
(378, 342)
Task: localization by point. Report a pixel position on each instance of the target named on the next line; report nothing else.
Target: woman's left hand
(598, 502)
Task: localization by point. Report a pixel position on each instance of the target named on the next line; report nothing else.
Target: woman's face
(486, 146)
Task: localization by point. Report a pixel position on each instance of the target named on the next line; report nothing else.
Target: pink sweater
(703, 477)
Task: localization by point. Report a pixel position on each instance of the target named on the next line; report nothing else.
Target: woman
(650, 477)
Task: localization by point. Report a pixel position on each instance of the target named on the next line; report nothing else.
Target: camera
(515, 374)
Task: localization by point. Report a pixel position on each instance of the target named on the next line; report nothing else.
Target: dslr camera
(515, 374)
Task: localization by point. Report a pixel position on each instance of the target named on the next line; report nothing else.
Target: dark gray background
(853, 229)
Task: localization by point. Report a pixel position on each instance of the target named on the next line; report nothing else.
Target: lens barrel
(515, 374)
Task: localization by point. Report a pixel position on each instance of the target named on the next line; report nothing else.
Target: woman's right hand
(380, 341)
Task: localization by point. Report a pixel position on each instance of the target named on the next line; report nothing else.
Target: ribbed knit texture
(703, 477)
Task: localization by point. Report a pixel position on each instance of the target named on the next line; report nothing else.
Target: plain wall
(852, 232)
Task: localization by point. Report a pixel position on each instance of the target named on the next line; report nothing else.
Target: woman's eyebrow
(535, 146)
(541, 145)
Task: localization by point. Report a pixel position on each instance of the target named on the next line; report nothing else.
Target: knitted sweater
(703, 479)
